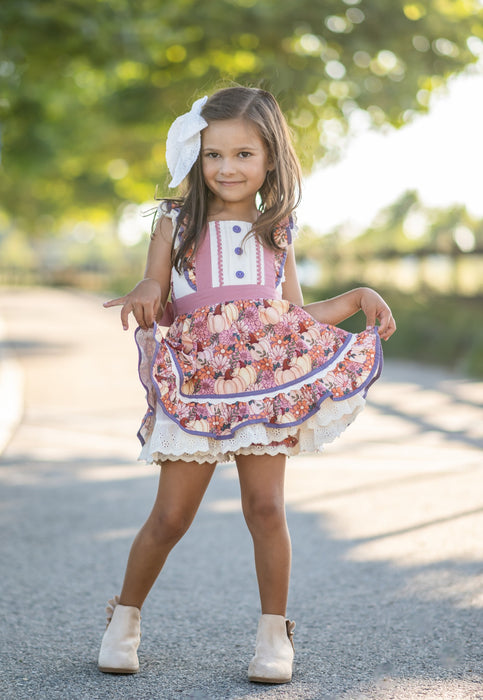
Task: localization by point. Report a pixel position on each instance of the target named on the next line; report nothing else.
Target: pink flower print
(206, 385)
(283, 403)
(301, 347)
(220, 362)
(342, 384)
(226, 337)
(243, 329)
(352, 367)
(295, 315)
(183, 410)
(278, 352)
(245, 356)
(202, 411)
(251, 317)
(283, 328)
(267, 379)
(200, 331)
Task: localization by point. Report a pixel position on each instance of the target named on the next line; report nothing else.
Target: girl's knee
(168, 527)
(264, 514)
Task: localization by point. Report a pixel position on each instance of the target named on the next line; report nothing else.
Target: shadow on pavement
(366, 627)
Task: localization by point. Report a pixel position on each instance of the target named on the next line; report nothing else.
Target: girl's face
(234, 160)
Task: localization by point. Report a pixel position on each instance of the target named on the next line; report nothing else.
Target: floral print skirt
(250, 377)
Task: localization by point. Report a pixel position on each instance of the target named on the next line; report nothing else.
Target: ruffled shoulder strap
(286, 231)
(168, 208)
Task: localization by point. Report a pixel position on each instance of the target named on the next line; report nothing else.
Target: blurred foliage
(428, 265)
(408, 226)
(90, 88)
(408, 243)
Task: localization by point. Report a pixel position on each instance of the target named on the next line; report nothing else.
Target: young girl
(245, 371)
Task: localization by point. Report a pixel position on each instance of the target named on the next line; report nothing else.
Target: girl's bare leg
(262, 492)
(181, 489)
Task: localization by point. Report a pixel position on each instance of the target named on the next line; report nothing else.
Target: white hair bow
(184, 141)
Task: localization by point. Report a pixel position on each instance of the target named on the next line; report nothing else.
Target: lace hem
(169, 442)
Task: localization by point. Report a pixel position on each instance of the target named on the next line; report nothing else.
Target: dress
(240, 370)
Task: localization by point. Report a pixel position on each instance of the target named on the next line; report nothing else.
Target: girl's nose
(227, 166)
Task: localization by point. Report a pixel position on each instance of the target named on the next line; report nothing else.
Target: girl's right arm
(149, 296)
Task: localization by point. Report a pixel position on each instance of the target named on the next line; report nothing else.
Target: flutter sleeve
(286, 231)
(168, 209)
(292, 228)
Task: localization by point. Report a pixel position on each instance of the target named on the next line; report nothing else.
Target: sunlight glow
(439, 155)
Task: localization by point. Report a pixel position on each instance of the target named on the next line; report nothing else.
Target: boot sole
(261, 679)
(106, 669)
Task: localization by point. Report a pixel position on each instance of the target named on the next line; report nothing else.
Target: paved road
(386, 530)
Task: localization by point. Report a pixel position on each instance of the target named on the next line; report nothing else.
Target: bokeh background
(89, 89)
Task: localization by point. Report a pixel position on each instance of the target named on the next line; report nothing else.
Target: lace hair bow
(184, 141)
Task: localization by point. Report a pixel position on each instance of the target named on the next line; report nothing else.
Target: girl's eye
(211, 155)
(245, 154)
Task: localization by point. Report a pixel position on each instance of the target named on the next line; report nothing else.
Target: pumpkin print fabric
(250, 376)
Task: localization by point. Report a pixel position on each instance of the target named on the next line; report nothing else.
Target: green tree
(90, 88)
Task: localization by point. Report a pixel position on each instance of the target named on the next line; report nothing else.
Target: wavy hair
(280, 192)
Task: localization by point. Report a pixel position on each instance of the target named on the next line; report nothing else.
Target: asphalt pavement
(386, 525)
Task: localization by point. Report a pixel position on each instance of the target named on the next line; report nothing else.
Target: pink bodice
(227, 267)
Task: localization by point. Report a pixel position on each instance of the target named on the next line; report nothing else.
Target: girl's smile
(235, 162)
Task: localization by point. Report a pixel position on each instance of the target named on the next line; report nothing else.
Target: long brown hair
(279, 194)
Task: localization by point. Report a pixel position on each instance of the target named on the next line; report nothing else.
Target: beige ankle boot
(274, 651)
(121, 639)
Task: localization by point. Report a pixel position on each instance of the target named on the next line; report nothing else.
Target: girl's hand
(143, 301)
(375, 309)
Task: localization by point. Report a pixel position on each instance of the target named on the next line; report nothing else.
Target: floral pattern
(246, 364)
(241, 362)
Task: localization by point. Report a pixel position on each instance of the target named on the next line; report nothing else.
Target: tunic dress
(241, 370)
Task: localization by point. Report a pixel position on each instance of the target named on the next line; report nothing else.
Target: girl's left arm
(291, 290)
(337, 309)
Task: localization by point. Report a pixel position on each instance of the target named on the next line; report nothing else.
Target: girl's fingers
(383, 314)
(148, 316)
(388, 325)
(370, 319)
(384, 317)
(144, 315)
(137, 310)
(125, 311)
(114, 302)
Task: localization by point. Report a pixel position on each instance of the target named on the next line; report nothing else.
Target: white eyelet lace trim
(169, 442)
